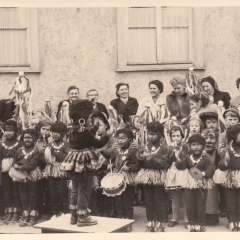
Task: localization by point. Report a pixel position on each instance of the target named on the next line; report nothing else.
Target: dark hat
(11, 124)
(204, 115)
(197, 138)
(232, 109)
(97, 114)
(155, 127)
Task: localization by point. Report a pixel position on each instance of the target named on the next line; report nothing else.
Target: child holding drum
(199, 180)
(123, 159)
(153, 163)
(10, 190)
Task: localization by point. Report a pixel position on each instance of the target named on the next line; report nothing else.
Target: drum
(17, 175)
(196, 173)
(49, 157)
(113, 184)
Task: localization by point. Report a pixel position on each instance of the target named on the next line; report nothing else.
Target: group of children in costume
(199, 165)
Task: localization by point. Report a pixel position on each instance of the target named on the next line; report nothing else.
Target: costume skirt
(84, 159)
(6, 164)
(151, 176)
(34, 175)
(231, 179)
(175, 177)
(53, 170)
(191, 183)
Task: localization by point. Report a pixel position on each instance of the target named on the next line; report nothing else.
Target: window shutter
(176, 35)
(142, 40)
(13, 37)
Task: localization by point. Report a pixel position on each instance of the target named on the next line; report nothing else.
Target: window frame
(32, 46)
(196, 51)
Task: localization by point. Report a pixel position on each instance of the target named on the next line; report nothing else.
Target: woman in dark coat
(209, 85)
(124, 105)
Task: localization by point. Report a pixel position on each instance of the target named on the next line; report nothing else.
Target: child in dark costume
(10, 190)
(82, 160)
(55, 153)
(26, 160)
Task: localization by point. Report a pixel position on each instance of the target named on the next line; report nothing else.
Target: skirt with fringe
(84, 159)
(231, 179)
(191, 183)
(34, 175)
(176, 178)
(151, 176)
(6, 164)
(53, 170)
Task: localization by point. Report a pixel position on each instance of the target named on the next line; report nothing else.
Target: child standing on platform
(82, 160)
(55, 153)
(26, 160)
(231, 162)
(196, 189)
(124, 158)
(10, 190)
(153, 163)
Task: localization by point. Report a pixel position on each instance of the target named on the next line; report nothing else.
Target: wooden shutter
(176, 35)
(13, 37)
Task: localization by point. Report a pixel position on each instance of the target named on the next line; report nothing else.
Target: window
(19, 40)
(159, 38)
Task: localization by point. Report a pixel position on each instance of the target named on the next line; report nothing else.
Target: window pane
(142, 46)
(141, 17)
(173, 17)
(13, 47)
(176, 44)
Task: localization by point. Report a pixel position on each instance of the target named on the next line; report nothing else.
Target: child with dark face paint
(26, 160)
(55, 153)
(212, 205)
(124, 157)
(10, 190)
(196, 190)
(153, 163)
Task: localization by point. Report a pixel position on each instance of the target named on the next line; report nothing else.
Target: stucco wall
(78, 47)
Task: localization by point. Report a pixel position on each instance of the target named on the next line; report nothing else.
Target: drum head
(18, 175)
(112, 180)
(196, 173)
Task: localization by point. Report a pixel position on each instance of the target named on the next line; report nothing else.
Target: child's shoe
(74, 217)
(159, 227)
(192, 228)
(232, 226)
(33, 218)
(8, 215)
(25, 219)
(85, 220)
(197, 228)
(15, 217)
(150, 227)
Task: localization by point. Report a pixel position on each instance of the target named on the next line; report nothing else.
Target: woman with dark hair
(124, 105)
(210, 86)
(63, 107)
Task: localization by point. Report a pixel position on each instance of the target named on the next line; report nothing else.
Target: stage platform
(105, 225)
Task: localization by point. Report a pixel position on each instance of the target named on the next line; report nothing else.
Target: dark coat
(222, 96)
(7, 106)
(130, 108)
(101, 108)
(174, 107)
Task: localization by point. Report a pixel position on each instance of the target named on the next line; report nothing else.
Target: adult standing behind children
(124, 104)
(178, 100)
(63, 107)
(92, 96)
(210, 86)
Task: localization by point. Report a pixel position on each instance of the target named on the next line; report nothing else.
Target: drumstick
(111, 168)
(120, 171)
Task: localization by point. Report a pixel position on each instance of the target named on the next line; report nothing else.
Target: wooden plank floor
(105, 225)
